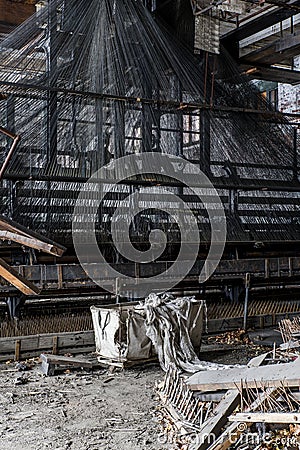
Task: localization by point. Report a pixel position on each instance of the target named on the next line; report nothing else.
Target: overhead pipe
(16, 138)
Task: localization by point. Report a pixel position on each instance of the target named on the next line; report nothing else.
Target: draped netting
(87, 82)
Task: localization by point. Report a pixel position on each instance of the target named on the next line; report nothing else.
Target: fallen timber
(273, 375)
(259, 417)
(18, 281)
(186, 413)
(13, 231)
(271, 401)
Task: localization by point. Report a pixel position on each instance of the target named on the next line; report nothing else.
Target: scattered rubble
(256, 408)
(88, 406)
(290, 332)
(79, 410)
(231, 338)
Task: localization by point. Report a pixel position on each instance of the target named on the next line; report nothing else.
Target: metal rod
(247, 286)
(172, 104)
(16, 138)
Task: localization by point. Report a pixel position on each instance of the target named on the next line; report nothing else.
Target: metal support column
(247, 289)
(205, 141)
(295, 154)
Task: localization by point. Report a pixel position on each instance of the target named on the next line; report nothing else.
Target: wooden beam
(17, 350)
(12, 276)
(274, 375)
(213, 426)
(231, 434)
(265, 417)
(16, 232)
(51, 362)
(71, 342)
(29, 242)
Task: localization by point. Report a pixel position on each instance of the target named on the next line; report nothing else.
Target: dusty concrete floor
(78, 411)
(84, 411)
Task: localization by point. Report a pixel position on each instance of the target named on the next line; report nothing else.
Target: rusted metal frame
(149, 101)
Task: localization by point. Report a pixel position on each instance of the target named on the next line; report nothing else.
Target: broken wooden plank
(212, 426)
(231, 434)
(24, 236)
(265, 417)
(19, 282)
(273, 375)
(257, 360)
(15, 140)
(229, 402)
(27, 355)
(51, 362)
(28, 242)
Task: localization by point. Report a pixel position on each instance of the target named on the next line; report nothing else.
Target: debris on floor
(230, 337)
(290, 332)
(79, 410)
(51, 362)
(230, 378)
(256, 408)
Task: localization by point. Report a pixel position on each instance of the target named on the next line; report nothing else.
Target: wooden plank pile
(221, 409)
